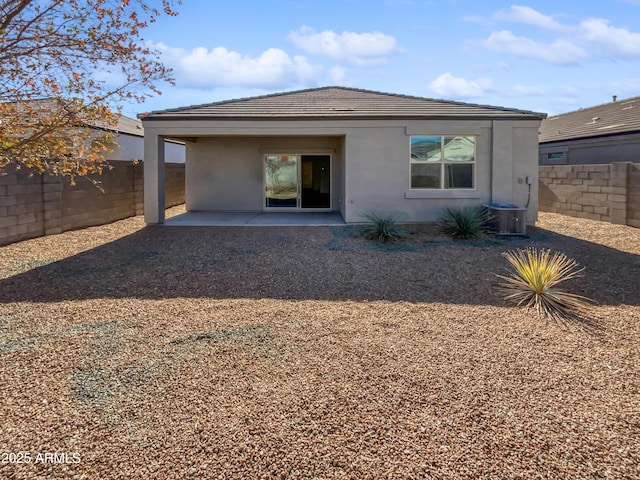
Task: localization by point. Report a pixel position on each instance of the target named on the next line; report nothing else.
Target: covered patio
(255, 219)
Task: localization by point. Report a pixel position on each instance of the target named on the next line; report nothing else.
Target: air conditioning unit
(508, 219)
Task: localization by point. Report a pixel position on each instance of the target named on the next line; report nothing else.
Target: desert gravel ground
(291, 353)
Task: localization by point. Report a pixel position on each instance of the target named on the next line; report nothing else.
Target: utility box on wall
(508, 219)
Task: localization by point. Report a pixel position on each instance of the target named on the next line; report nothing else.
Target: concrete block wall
(36, 205)
(604, 192)
(21, 205)
(633, 195)
(174, 184)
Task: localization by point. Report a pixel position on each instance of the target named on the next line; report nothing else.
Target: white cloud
(203, 68)
(448, 86)
(560, 51)
(593, 35)
(610, 40)
(529, 91)
(529, 16)
(338, 76)
(477, 19)
(625, 87)
(362, 49)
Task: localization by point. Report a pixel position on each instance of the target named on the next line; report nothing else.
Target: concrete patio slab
(255, 219)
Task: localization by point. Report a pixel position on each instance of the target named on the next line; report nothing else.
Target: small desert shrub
(464, 223)
(383, 228)
(533, 283)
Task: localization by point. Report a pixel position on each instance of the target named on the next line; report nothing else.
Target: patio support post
(153, 178)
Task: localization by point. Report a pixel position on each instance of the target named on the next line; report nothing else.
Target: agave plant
(533, 283)
(382, 228)
(464, 223)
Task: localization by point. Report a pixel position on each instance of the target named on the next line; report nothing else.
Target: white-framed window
(556, 157)
(443, 162)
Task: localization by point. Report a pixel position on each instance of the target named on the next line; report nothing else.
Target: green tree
(66, 68)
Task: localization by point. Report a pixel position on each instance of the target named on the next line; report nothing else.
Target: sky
(544, 56)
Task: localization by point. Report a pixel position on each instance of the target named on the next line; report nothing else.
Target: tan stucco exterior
(226, 173)
(130, 147)
(370, 163)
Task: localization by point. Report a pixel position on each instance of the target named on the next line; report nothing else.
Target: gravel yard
(311, 353)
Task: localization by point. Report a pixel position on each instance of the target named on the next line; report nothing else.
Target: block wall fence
(38, 205)
(606, 192)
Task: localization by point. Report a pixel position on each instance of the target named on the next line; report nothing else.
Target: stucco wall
(525, 164)
(173, 152)
(128, 147)
(227, 173)
(371, 169)
(342, 175)
(378, 169)
(131, 147)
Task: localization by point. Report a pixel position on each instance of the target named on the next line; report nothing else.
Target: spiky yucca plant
(533, 283)
(383, 228)
(464, 223)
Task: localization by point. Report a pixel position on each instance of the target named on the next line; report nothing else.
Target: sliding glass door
(297, 182)
(316, 181)
(281, 181)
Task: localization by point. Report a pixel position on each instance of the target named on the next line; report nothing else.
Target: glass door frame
(265, 159)
(298, 207)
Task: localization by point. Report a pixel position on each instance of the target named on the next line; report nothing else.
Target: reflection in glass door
(281, 181)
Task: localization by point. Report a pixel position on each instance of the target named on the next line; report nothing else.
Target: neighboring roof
(126, 125)
(622, 116)
(337, 103)
(129, 126)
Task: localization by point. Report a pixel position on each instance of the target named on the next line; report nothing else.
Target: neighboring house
(128, 134)
(36, 205)
(129, 140)
(347, 150)
(602, 134)
(129, 143)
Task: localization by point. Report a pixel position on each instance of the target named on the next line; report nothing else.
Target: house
(129, 143)
(128, 134)
(345, 150)
(602, 134)
(33, 205)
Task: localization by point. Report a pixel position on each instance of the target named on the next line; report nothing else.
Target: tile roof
(126, 125)
(622, 116)
(129, 126)
(337, 103)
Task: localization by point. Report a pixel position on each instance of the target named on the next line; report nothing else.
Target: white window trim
(457, 192)
(545, 151)
(562, 161)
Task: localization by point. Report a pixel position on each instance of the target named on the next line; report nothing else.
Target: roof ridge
(612, 118)
(440, 100)
(337, 87)
(241, 99)
(586, 109)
